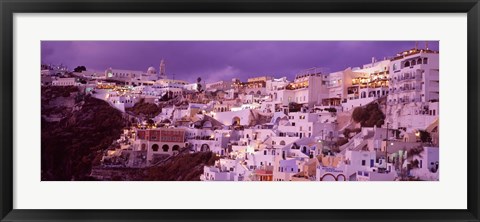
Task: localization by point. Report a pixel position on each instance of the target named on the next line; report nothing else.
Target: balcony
(408, 78)
(408, 89)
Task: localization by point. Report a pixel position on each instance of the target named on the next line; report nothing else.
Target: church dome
(151, 70)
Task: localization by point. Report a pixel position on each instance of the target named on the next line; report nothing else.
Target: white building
(426, 165)
(413, 89)
(414, 77)
(64, 82)
(309, 89)
(337, 84)
(219, 85)
(134, 77)
(368, 84)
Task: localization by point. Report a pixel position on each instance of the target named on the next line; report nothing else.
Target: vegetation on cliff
(142, 108)
(369, 115)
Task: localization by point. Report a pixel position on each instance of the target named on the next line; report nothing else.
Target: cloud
(226, 73)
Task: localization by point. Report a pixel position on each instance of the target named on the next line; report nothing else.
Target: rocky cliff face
(75, 130)
(183, 167)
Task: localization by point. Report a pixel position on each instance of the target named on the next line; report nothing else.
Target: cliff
(75, 139)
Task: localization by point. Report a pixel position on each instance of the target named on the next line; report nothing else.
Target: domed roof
(151, 69)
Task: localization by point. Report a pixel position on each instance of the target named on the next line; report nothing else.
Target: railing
(408, 78)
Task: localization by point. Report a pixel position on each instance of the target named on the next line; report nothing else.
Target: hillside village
(378, 122)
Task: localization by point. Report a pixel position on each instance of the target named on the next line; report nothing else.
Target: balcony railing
(409, 78)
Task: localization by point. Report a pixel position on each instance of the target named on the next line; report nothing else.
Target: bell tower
(162, 74)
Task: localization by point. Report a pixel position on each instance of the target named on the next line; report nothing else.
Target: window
(363, 162)
(165, 148)
(425, 60)
(176, 148)
(155, 147)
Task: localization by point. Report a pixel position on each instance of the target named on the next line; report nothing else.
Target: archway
(155, 147)
(341, 177)
(175, 148)
(205, 148)
(328, 177)
(165, 148)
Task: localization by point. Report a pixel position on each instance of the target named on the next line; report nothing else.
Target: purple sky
(223, 60)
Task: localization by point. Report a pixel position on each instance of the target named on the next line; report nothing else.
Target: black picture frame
(9, 7)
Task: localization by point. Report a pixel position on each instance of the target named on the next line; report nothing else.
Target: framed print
(231, 110)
